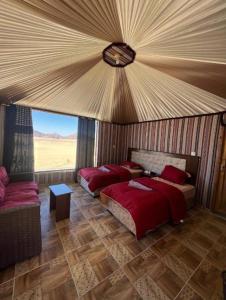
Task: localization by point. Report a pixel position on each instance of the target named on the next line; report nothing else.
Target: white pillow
(104, 169)
(139, 186)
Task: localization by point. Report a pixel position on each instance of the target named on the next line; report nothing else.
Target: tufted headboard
(156, 161)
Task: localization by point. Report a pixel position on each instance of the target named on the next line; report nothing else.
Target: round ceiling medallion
(119, 55)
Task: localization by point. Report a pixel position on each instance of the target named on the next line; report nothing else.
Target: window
(55, 141)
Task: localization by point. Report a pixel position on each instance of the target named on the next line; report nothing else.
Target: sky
(54, 123)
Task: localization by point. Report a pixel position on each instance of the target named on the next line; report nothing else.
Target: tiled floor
(93, 256)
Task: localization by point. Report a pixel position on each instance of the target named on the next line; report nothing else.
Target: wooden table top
(60, 189)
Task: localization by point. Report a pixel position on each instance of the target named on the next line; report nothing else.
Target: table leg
(52, 204)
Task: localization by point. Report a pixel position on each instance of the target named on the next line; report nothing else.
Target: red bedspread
(98, 179)
(149, 209)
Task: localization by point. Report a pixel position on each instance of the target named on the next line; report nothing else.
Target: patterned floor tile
(165, 245)
(188, 293)
(86, 234)
(98, 257)
(114, 289)
(167, 280)
(120, 253)
(100, 227)
(161, 231)
(84, 277)
(199, 243)
(107, 262)
(183, 261)
(69, 238)
(222, 240)
(53, 279)
(92, 210)
(159, 282)
(210, 231)
(51, 249)
(217, 256)
(6, 290)
(140, 265)
(148, 289)
(207, 281)
(77, 235)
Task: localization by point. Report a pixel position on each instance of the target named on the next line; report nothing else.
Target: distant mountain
(54, 135)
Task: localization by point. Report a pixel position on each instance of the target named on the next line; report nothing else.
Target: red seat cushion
(15, 204)
(2, 192)
(21, 196)
(4, 176)
(22, 186)
(174, 174)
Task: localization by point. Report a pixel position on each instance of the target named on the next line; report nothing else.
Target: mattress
(84, 183)
(187, 189)
(124, 216)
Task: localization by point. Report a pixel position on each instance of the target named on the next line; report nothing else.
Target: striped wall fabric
(202, 135)
(55, 177)
(111, 143)
(2, 120)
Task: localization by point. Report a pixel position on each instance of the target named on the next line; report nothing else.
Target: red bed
(141, 210)
(94, 179)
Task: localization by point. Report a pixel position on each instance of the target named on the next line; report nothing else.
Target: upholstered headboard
(156, 161)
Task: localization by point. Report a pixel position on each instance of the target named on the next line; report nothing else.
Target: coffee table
(60, 196)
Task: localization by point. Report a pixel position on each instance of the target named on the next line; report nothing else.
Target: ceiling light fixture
(119, 55)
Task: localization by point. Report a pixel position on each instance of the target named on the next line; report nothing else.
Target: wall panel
(202, 135)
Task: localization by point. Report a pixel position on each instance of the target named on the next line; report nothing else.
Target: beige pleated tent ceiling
(52, 57)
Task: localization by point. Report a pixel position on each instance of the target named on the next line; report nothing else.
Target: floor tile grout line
(101, 238)
(14, 286)
(166, 265)
(205, 256)
(64, 254)
(67, 262)
(56, 229)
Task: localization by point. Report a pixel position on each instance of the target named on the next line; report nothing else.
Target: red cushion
(131, 165)
(174, 174)
(4, 176)
(21, 196)
(14, 204)
(22, 186)
(2, 192)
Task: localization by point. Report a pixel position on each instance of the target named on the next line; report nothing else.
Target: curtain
(85, 143)
(18, 157)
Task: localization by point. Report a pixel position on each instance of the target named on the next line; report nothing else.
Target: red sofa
(20, 228)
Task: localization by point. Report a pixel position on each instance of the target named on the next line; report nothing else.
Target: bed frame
(192, 162)
(191, 166)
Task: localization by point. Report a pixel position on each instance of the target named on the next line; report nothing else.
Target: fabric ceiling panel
(207, 76)
(188, 29)
(42, 91)
(51, 57)
(33, 46)
(91, 95)
(123, 108)
(160, 96)
(98, 18)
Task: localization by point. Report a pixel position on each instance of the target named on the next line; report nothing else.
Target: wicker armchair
(20, 233)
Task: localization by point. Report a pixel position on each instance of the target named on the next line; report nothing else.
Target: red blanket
(149, 209)
(98, 179)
